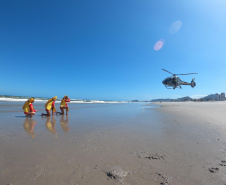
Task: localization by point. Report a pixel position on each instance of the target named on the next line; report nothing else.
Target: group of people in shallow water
(29, 110)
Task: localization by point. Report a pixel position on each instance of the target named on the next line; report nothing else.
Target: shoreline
(43, 100)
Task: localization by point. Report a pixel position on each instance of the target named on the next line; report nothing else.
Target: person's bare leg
(52, 112)
(48, 114)
(62, 111)
(30, 114)
(67, 110)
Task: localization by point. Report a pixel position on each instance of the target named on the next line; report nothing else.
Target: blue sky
(105, 49)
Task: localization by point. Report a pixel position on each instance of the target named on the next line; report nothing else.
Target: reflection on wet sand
(64, 123)
(50, 125)
(29, 126)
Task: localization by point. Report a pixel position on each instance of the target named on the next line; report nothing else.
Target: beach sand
(105, 144)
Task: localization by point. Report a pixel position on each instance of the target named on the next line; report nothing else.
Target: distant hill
(186, 98)
(163, 100)
(211, 97)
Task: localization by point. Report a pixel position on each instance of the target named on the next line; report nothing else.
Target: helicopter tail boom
(192, 84)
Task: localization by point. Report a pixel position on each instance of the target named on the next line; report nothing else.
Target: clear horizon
(193, 97)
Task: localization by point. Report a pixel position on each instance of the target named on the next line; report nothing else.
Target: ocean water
(82, 117)
(40, 99)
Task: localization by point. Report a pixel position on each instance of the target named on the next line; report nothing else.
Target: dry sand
(177, 144)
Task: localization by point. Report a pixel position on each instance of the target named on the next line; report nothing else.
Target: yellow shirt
(49, 104)
(64, 102)
(27, 107)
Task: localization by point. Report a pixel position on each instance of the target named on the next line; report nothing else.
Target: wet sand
(178, 143)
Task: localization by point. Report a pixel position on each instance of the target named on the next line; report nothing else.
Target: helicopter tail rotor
(193, 84)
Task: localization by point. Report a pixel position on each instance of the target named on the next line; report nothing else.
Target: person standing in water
(64, 105)
(50, 105)
(28, 108)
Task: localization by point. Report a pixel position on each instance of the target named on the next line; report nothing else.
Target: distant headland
(211, 97)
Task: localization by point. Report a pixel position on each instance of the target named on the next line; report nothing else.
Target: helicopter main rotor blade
(167, 71)
(187, 74)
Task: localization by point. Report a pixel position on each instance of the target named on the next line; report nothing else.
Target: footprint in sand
(117, 173)
(151, 156)
(213, 169)
(38, 171)
(164, 179)
(223, 163)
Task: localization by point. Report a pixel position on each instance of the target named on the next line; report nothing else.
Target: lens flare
(175, 27)
(158, 45)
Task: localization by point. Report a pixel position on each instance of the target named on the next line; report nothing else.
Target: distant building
(220, 97)
(215, 97)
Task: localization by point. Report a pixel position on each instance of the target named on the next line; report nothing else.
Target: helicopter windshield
(167, 80)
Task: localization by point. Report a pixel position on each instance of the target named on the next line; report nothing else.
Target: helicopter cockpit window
(167, 80)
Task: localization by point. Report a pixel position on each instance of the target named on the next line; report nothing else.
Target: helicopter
(174, 82)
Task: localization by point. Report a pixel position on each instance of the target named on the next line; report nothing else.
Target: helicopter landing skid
(173, 87)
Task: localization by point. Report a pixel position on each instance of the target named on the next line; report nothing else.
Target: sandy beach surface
(107, 144)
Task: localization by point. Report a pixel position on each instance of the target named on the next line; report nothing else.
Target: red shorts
(25, 113)
(47, 110)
